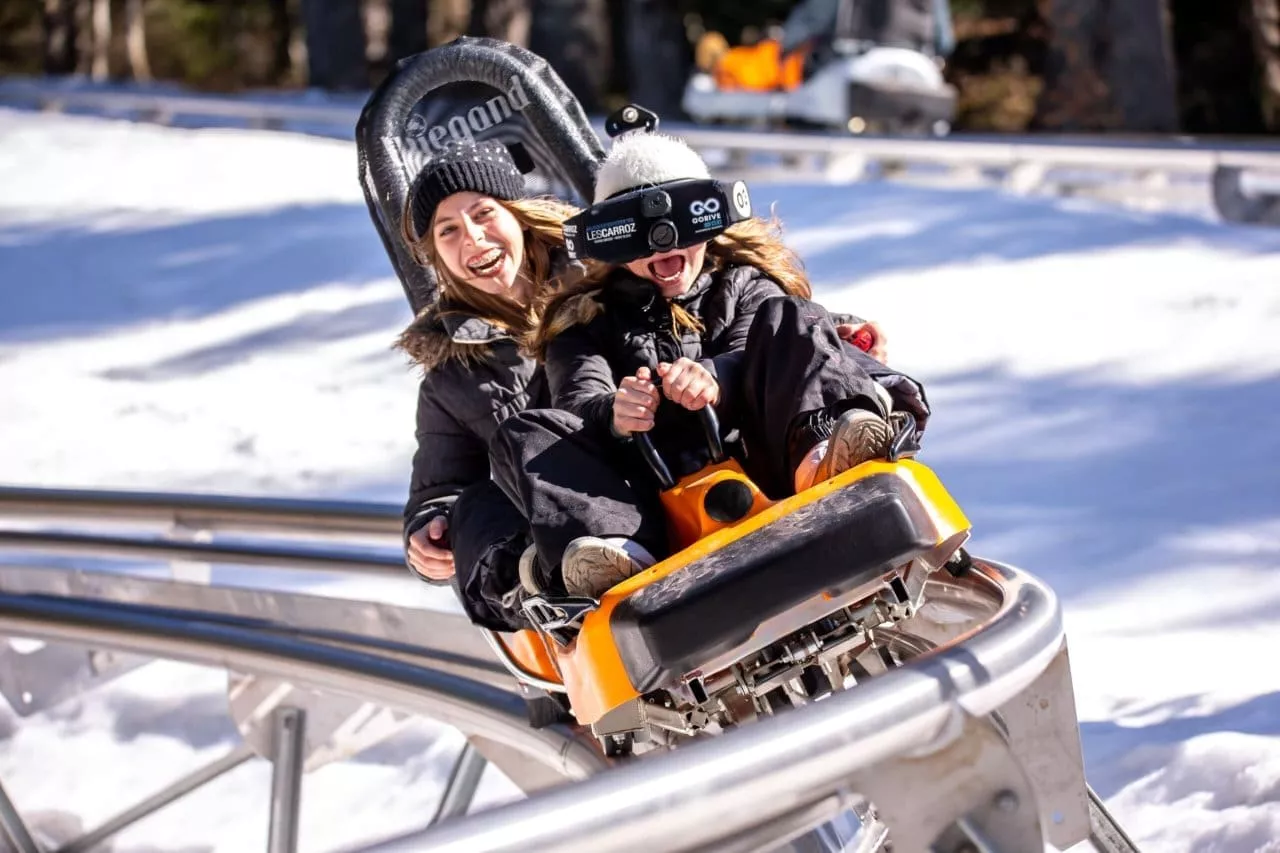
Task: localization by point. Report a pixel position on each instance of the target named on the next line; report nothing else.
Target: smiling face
(672, 271)
(480, 243)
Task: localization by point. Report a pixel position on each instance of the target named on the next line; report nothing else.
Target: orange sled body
(734, 587)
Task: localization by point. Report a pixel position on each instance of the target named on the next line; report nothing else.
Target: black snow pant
(488, 534)
(570, 479)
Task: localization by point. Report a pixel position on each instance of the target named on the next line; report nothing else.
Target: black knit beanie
(482, 167)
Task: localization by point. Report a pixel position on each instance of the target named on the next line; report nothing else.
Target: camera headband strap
(649, 220)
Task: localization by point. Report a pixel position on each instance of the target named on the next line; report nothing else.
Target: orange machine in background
(760, 67)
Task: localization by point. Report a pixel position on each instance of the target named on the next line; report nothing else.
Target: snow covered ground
(213, 311)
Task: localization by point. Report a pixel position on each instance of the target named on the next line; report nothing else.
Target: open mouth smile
(667, 270)
(486, 263)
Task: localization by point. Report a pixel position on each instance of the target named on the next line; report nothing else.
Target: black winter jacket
(627, 324)
(475, 377)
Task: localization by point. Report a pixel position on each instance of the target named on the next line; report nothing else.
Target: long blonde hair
(540, 221)
(753, 242)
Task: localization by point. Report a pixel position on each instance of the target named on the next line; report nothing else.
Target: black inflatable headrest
(470, 88)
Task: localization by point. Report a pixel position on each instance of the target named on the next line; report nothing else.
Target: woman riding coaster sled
(494, 251)
(701, 305)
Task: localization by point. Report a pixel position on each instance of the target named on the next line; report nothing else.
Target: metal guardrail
(185, 517)
(1242, 179)
(255, 555)
(163, 107)
(438, 644)
(212, 513)
(1152, 154)
(102, 625)
(974, 743)
(275, 556)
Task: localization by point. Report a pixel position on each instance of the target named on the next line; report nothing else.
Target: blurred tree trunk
(575, 38)
(620, 76)
(59, 20)
(83, 17)
(335, 44)
(1264, 21)
(1109, 67)
(136, 39)
(281, 38)
(408, 29)
(658, 56)
(508, 20)
(1219, 78)
(1075, 95)
(448, 19)
(376, 15)
(101, 68)
(1141, 68)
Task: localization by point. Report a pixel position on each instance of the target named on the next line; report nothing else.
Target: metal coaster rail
(946, 735)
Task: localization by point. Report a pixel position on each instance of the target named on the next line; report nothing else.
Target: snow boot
(857, 436)
(591, 566)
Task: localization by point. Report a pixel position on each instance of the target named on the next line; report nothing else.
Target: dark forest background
(1150, 66)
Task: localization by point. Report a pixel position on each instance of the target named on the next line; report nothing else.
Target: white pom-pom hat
(640, 159)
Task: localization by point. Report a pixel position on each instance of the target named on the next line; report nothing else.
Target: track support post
(286, 779)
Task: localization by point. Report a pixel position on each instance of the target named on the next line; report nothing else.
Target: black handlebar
(711, 431)
(656, 465)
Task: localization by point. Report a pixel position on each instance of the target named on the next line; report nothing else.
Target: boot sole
(858, 437)
(593, 568)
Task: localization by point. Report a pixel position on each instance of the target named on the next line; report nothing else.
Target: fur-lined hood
(437, 336)
(575, 309)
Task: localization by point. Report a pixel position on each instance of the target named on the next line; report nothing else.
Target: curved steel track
(932, 743)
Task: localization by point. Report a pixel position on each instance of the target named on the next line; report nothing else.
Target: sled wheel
(545, 711)
(618, 746)
(889, 649)
(778, 701)
(960, 563)
(899, 647)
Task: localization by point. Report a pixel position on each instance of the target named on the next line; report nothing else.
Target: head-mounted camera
(650, 220)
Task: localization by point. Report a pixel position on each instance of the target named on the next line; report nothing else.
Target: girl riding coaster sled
(673, 588)
(699, 305)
